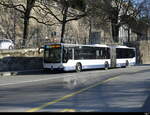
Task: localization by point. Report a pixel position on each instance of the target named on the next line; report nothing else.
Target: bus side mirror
(39, 50)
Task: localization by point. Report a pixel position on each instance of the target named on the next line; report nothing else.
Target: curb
(13, 73)
(7, 73)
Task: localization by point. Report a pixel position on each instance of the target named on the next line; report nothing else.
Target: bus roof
(119, 46)
(93, 45)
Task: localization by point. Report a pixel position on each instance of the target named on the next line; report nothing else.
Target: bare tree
(142, 23)
(8, 28)
(64, 11)
(25, 9)
(117, 12)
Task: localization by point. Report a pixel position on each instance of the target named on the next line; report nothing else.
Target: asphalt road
(114, 90)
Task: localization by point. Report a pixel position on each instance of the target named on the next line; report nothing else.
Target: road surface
(114, 90)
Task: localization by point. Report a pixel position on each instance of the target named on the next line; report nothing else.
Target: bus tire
(127, 63)
(78, 67)
(106, 65)
(10, 47)
(46, 70)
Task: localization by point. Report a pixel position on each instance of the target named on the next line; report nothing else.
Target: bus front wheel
(127, 63)
(78, 67)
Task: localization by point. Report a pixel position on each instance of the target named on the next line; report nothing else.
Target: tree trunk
(30, 5)
(25, 31)
(115, 32)
(64, 22)
(115, 25)
(128, 34)
(90, 31)
(14, 26)
(63, 32)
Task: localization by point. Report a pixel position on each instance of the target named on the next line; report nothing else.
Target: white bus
(68, 57)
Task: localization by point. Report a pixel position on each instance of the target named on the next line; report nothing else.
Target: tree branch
(14, 6)
(42, 22)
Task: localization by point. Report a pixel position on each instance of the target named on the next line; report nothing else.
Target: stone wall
(18, 60)
(143, 52)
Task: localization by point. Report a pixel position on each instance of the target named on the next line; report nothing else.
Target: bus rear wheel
(78, 67)
(106, 65)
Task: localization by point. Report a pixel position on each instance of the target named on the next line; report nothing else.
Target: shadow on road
(146, 105)
(44, 72)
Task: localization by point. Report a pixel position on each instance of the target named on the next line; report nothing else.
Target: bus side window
(76, 53)
(105, 53)
(102, 53)
(119, 53)
(131, 53)
(108, 54)
(67, 54)
(65, 57)
(97, 54)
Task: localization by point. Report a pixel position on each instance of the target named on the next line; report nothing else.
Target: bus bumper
(53, 66)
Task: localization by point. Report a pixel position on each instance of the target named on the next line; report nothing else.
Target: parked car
(6, 44)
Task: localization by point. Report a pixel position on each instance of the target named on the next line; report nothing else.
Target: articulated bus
(70, 57)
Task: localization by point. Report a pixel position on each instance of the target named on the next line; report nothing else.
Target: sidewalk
(13, 73)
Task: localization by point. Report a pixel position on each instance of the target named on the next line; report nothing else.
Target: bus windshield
(52, 55)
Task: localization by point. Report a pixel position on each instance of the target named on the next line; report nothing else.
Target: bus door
(113, 57)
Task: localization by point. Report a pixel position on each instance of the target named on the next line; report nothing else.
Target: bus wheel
(106, 65)
(78, 67)
(46, 70)
(127, 63)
